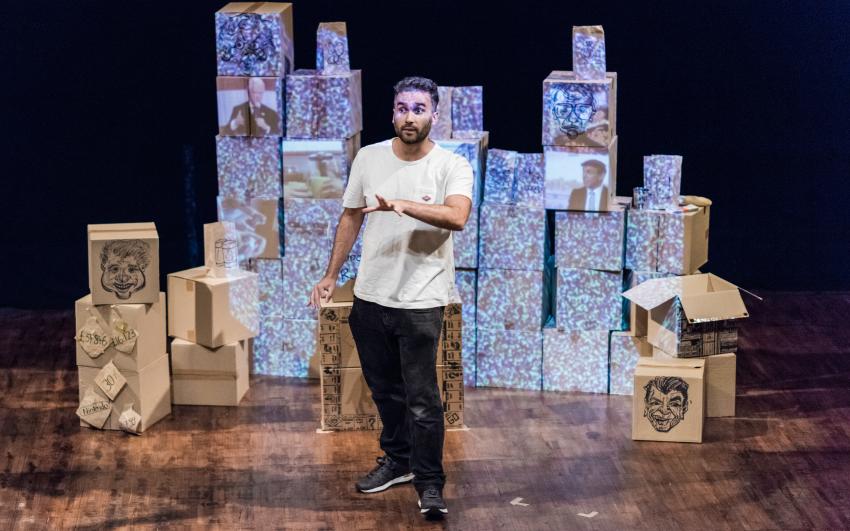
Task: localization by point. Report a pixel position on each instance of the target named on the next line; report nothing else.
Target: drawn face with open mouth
(665, 402)
(573, 108)
(123, 264)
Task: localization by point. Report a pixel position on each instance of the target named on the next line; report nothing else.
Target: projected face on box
(665, 402)
(573, 107)
(123, 264)
(249, 106)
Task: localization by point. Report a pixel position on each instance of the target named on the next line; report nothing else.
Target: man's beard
(421, 136)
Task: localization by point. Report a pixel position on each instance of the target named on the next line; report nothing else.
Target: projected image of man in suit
(253, 117)
(593, 196)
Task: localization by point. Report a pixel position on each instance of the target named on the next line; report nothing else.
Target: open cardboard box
(692, 315)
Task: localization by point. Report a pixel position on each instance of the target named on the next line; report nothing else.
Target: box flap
(655, 292)
(714, 306)
(344, 293)
(692, 363)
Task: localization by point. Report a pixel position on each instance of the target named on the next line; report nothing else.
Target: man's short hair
(598, 164)
(419, 84)
(138, 249)
(666, 385)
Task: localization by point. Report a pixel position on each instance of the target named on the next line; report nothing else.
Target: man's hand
(322, 292)
(263, 125)
(237, 122)
(385, 205)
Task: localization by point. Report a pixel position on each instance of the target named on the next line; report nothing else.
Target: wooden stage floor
(782, 463)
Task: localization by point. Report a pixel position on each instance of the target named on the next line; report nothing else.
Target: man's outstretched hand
(322, 292)
(386, 205)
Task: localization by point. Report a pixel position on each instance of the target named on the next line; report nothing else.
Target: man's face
(122, 276)
(413, 114)
(572, 108)
(592, 176)
(256, 87)
(665, 411)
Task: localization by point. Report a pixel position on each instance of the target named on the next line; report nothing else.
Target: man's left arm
(454, 211)
(451, 215)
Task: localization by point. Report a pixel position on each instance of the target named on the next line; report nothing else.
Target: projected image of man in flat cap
(593, 196)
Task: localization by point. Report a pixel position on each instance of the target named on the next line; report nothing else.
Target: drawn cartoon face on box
(665, 402)
(123, 264)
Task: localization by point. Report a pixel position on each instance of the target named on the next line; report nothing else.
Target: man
(665, 402)
(416, 193)
(253, 117)
(593, 196)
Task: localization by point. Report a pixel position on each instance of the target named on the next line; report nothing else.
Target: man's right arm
(346, 232)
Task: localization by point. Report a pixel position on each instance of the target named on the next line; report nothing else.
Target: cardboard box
(254, 39)
(450, 384)
(690, 316)
(720, 381)
(442, 130)
(323, 106)
(637, 317)
(212, 311)
(575, 360)
(468, 108)
(465, 243)
(590, 240)
(209, 377)
(317, 169)
(474, 149)
(258, 223)
(132, 336)
(662, 179)
(300, 275)
(514, 178)
(123, 263)
(683, 240)
(579, 112)
(511, 237)
(147, 391)
(248, 167)
(251, 106)
(626, 350)
(577, 176)
(332, 48)
(470, 347)
(466, 283)
(509, 358)
(309, 227)
(343, 404)
(669, 400)
(588, 299)
(673, 242)
(510, 299)
(589, 52)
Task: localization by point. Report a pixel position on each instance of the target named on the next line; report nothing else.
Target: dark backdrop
(110, 115)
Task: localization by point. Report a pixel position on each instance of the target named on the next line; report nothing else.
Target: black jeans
(398, 353)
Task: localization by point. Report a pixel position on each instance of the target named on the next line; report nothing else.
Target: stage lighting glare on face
(413, 114)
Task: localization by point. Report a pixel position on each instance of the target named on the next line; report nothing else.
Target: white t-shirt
(405, 263)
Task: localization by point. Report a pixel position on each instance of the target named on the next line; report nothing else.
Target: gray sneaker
(384, 476)
(431, 502)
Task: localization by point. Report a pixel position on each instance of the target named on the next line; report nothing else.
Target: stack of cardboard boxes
(323, 136)
(346, 400)
(690, 322)
(511, 308)
(460, 129)
(580, 153)
(254, 56)
(121, 346)
(212, 314)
